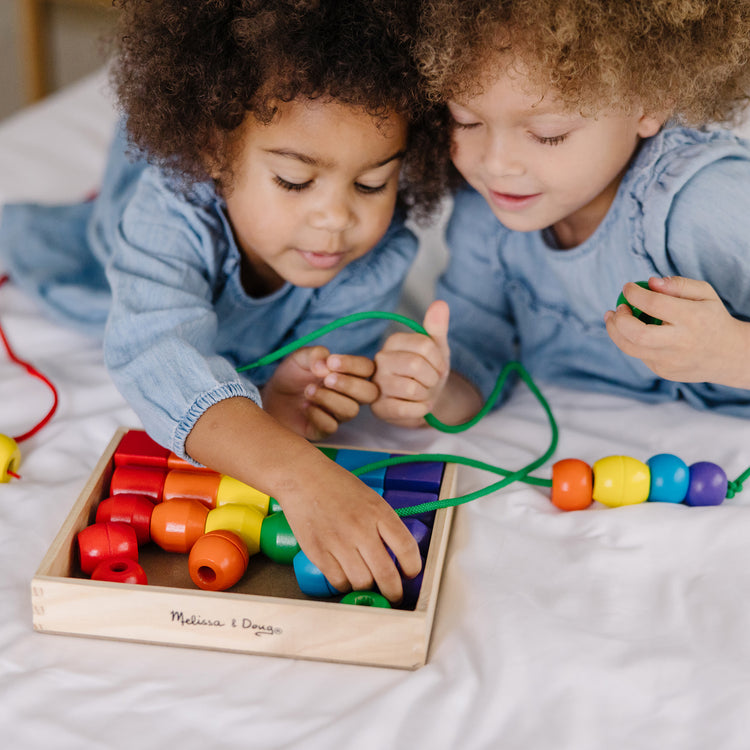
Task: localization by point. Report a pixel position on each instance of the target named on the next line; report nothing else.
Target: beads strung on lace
(621, 480)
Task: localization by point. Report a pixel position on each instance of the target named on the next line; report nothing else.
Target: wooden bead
(277, 540)
(310, 579)
(572, 481)
(708, 484)
(669, 478)
(366, 599)
(134, 510)
(621, 480)
(218, 560)
(10, 457)
(120, 570)
(176, 525)
(102, 541)
(244, 520)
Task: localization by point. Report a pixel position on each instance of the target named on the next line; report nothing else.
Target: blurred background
(47, 44)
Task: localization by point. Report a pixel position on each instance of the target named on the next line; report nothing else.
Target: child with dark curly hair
(282, 144)
(580, 127)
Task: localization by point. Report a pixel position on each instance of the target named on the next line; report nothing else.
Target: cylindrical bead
(231, 490)
(310, 579)
(277, 540)
(572, 484)
(119, 570)
(177, 524)
(197, 485)
(620, 480)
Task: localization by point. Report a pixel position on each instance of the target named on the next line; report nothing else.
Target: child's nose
(501, 158)
(332, 215)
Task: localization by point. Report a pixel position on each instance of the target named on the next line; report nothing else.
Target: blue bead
(670, 478)
(309, 578)
(352, 459)
(708, 484)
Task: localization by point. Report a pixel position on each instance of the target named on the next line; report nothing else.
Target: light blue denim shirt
(683, 208)
(162, 270)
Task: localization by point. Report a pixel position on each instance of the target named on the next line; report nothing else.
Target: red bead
(102, 541)
(572, 481)
(135, 510)
(136, 448)
(119, 570)
(138, 480)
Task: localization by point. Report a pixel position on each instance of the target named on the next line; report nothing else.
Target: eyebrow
(313, 162)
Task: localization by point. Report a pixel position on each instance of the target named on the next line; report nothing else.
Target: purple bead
(420, 476)
(708, 484)
(405, 499)
(420, 531)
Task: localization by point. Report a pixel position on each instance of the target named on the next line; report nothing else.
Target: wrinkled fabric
(681, 209)
(155, 271)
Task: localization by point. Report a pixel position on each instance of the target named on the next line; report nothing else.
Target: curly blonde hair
(688, 58)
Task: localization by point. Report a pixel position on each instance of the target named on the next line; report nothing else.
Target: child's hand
(344, 527)
(412, 370)
(698, 341)
(313, 391)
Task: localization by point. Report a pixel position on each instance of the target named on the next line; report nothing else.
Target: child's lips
(322, 261)
(513, 201)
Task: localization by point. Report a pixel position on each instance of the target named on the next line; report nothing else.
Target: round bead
(621, 480)
(244, 520)
(102, 541)
(10, 457)
(218, 560)
(366, 599)
(572, 482)
(708, 484)
(134, 510)
(277, 540)
(119, 570)
(309, 578)
(669, 478)
(176, 525)
(642, 316)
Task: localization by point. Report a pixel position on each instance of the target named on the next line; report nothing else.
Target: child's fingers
(403, 545)
(350, 364)
(679, 286)
(400, 372)
(436, 321)
(339, 405)
(362, 391)
(630, 334)
(320, 423)
(312, 358)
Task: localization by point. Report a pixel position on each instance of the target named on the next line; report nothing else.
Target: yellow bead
(621, 480)
(10, 457)
(244, 520)
(233, 491)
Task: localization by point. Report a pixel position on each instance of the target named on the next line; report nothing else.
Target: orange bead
(177, 524)
(572, 481)
(218, 560)
(175, 462)
(201, 486)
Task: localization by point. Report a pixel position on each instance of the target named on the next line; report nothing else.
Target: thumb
(436, 320)
(679, 286)
(311, 358)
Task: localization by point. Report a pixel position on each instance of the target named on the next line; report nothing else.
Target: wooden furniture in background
(35, 41)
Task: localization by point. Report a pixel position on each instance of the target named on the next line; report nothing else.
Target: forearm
(236, 437)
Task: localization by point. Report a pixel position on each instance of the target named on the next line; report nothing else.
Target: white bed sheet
(625, 628)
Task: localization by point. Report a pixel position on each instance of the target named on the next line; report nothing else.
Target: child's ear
(649, 125)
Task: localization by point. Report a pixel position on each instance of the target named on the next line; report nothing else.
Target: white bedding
(625, 628)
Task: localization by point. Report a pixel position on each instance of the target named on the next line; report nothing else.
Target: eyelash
(554, 140)
(298, 187)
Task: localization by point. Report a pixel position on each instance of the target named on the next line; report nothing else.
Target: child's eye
(370, 189)
(291, 186)
(465, 125)
(554, 140)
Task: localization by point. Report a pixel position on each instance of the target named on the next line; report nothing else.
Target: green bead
(277, 540)
(366, 599)
(642, 316)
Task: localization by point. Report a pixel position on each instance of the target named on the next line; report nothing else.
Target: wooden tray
(265, 613)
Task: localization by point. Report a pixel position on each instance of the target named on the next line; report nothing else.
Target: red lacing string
(32, 371)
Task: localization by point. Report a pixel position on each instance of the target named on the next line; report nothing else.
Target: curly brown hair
(188, 72)
(687, 58)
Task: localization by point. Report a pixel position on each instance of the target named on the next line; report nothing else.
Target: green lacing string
(509, 476)
(522, 475)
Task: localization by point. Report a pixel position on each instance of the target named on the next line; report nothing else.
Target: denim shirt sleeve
(482, 333)
(160, 334)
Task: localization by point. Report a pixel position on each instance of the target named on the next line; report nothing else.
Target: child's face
(312, 191)
(538, 164)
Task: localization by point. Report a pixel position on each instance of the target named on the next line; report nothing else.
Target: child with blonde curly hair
(282, 143)
(580, 136)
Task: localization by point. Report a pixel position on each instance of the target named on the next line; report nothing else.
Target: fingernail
(310, 390)
(334, 363)
(330, 380)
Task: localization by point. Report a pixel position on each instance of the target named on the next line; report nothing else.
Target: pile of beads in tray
(621, 480)
(154, 496)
